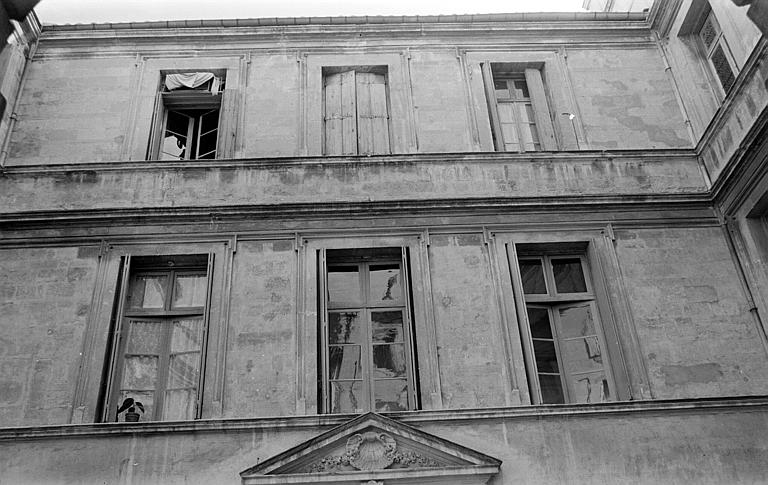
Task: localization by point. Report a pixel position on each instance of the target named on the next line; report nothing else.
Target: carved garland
(371, 451)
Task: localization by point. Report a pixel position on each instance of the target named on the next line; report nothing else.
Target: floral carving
(371, 451)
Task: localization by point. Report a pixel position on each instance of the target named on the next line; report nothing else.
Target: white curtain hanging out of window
(188, 79)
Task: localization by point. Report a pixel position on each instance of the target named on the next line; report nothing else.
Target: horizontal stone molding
(703, 406)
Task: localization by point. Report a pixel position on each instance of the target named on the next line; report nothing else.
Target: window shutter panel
(723, 68)
(156, 136)
(490, 94)
(110, 406)
(340, 114)
(372, 116)
(228, 124)
(541, 109)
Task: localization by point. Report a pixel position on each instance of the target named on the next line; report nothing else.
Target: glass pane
(146, 398)
(551, 389)
(175, 137)
(391, 395)
(344, 328)
(521, 89)
(179, 405)
(387, 326)
(144, 337)
(344, 284)
(344, 362)
(546, 356)
(582, 355)
(209, 121)
(140, 372)
(538, 318)
(386, 284)
(532, 274)
(147, 292)
(348, 397)
(569, 276)
(389, 360)
(590, 388)
(190, 291)
(184, 370)
(576, 321)
(207, 145)
(186, 335)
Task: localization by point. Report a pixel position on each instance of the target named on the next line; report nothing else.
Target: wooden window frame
(553, 301)
(495, 71)
(133, 268)
(363, 260)
(184, 102)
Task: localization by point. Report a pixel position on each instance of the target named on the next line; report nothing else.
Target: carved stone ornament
(371, 451)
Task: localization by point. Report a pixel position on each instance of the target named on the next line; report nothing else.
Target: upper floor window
(355, 111)
(367, 348)
(517, 103)
(158, 354)
(188, 112)
(718, 54)
(566, 351)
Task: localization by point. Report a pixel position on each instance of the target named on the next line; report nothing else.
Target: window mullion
(163, 368)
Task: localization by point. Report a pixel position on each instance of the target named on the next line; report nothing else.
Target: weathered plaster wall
(347, 180)
(626, 99)
(46, 296)
(691, 315)
(704, 446)
(738, 117)
(469, 344)
(72, 109)
(439, 102)
(271, 125)
(261, 352)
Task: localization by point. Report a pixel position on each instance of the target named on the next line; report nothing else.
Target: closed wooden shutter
(340, 114)
(372, 114)
(228, 122)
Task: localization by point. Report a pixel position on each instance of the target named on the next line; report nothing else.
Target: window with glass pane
(567, 361)
(515, 114)
(367, 348)
(159, 352)
(188, 117)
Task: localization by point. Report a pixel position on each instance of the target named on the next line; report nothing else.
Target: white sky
(87, 11)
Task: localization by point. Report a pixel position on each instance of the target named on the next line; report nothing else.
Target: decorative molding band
(745, 404)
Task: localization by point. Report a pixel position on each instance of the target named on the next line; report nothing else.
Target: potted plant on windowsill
(130, 406)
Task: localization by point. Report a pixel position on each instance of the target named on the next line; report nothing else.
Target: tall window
(717, 52)
(368, 361)
(188, 114)
(567, 362)
(517, 103)
(159, 352)
(356, 111)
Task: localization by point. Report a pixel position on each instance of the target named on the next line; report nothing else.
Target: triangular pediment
(373, 447)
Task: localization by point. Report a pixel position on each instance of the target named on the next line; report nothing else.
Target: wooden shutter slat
(333, 116)
(541, 109)
(348, 114)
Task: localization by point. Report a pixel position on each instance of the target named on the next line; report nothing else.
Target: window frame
(133, 268)
(363, 259)
(609, 315)
(531, 73)
(708, 16)
(198, 101)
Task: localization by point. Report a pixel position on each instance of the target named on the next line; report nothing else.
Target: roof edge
(357, 20)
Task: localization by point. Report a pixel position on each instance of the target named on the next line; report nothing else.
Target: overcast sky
(87, 11)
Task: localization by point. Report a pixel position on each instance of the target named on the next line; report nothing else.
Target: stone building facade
(508, 248)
